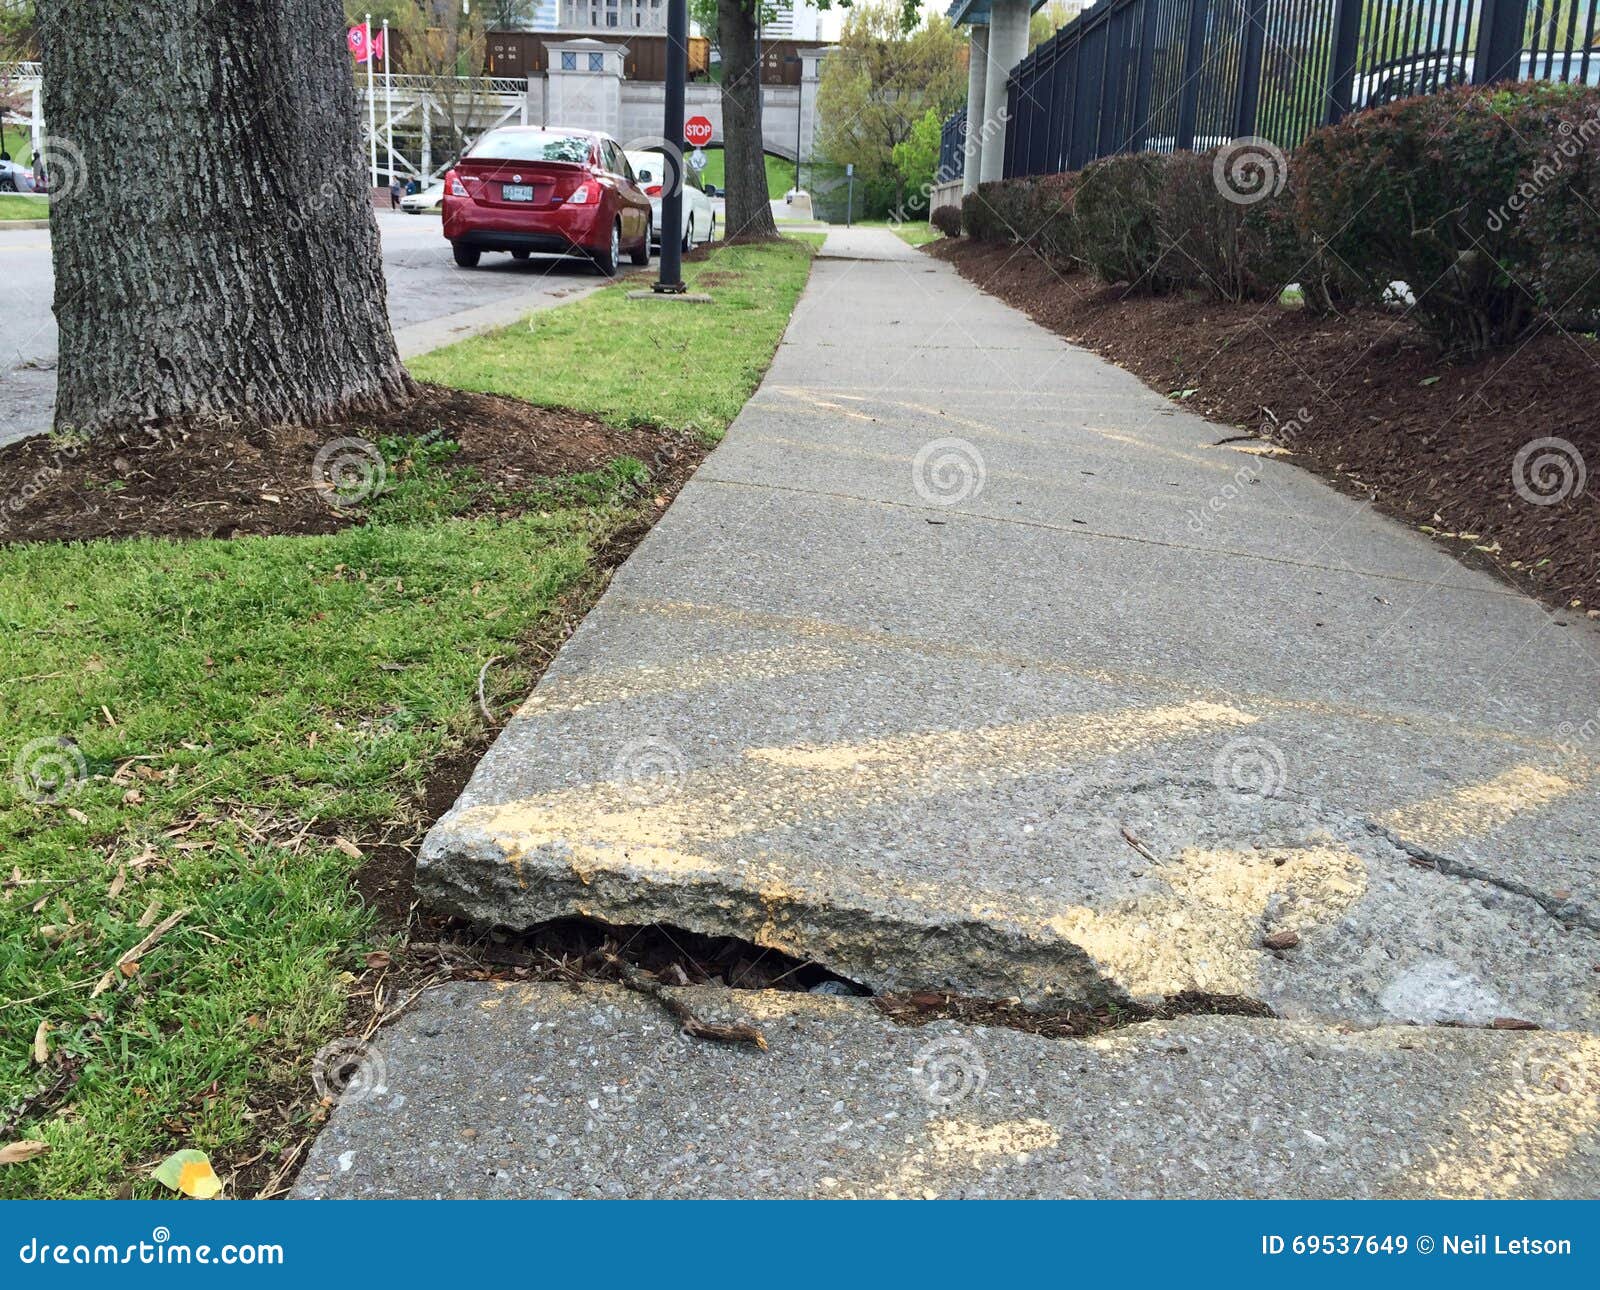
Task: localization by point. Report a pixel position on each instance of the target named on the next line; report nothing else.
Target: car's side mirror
(644, 176)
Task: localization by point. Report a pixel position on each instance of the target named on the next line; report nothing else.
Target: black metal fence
(1159, 75)
(953, 146)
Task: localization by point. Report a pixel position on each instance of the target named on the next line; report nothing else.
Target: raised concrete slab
(891, 688)
(487, 1090)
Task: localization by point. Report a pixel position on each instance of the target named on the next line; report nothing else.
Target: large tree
(216, 253)
(881, 82)
(749, 215)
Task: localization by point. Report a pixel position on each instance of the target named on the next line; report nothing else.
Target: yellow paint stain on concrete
(1478, 809)
(1203, 929)
(574, 693)
(600, 828)
(1520, 1120)
(821, 629)
(959, 1149)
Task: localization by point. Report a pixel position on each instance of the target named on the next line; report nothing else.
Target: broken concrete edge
(589, 1090)
(875, 947)
(889, 947)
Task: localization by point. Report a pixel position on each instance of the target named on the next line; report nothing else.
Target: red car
(530, 188)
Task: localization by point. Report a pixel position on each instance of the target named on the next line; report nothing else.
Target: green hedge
(1484, 201)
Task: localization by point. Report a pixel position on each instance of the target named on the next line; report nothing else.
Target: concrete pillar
(1008, 42)
(977, 84)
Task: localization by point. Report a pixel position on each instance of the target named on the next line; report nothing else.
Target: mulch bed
(229, 481)
(1363, 400)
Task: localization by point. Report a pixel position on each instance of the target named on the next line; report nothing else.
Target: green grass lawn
(15, 206)
(592, 354)
(780, 173)
(18, 141)
(240, 707)
(912, 232)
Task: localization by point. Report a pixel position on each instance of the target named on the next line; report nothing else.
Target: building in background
(794, 20)
(615, 16)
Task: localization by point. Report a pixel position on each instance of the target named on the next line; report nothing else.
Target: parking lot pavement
(425, 286)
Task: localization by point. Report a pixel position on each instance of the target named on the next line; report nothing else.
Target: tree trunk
(749, 216)
(216, 253)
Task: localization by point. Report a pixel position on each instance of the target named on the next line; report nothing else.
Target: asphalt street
(424, 285)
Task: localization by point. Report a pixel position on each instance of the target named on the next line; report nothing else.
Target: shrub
(1558, 205)
(1419, 191)
(982, 215)
(1212, 239)
(947, 219)
(1115, 206)
(1055, 220)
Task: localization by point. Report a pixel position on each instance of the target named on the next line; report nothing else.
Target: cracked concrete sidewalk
(967, 662)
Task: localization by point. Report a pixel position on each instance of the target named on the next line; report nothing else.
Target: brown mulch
(1363, 400)
(229, 481)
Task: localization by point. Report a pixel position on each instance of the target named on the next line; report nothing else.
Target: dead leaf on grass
(14, 1153)
(41, 1045)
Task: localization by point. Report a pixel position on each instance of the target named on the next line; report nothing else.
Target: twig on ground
(643, 983)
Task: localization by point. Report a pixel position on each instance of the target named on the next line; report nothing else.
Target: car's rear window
(531, 145)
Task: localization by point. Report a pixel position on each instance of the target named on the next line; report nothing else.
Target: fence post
(1244, 115)
(1141, 88)
(1193, 60)
(1342, 59)
(1501, 24)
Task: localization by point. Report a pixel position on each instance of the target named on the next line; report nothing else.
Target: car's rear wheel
(712, 235)
(466, 256)
(606, 260)
(641, 253)
(688, 235)
(520, 255)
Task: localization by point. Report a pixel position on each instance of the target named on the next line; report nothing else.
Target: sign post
(672, 130)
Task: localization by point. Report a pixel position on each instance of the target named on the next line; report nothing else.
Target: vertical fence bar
(1500, 28)
(1342, 59)
(1244, 111)
(1193, 60)
(1147, 59)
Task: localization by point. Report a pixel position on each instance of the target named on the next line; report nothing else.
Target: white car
(429, 201)
(654, 171)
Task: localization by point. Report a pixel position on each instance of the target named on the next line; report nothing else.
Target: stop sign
(697, 131)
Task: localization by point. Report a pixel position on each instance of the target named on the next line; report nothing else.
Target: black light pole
(799, 114)
(671, 280)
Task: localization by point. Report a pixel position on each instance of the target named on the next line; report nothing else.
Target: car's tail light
(586, 192)
(654, 190)
(454, 186)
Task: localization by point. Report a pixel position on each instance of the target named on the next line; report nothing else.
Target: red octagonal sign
(697, 131)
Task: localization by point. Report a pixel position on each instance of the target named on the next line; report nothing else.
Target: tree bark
(216, 252)
(749, 214)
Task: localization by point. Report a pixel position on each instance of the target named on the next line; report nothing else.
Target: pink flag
(356, 39)
(377, 45)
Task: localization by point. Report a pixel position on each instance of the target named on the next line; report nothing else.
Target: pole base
(675, 295)
(668, 288)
